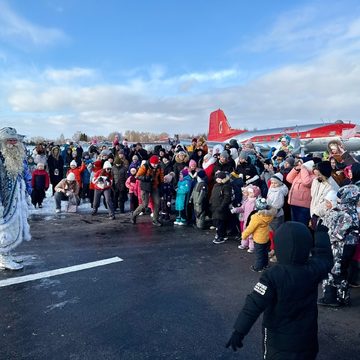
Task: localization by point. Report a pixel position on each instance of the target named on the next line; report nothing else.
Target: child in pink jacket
(247, 207)
(131, 184)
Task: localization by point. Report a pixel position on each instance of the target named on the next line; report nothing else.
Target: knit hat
(185, 172)
(168, 178)
(309, 165)
(201, 174)
(220, 175)
(40, 166)
(192, 163)
(135, 158)
(73, 163)
(234, 144)
(332, 197)
(107, 165)
(261, 204)
(133, 171)
(104, 153)
(224, 154)
(154, 160)
(290, 160)
(243, 155)
(118, 161)
(325, 168)
(207, 157)
(278, 177)
(70, 177)
(254, 189)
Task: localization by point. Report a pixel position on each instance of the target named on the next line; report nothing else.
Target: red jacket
(38, 172)
(102, 180)
(77, 172)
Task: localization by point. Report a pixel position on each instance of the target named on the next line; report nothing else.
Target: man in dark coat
(220, 201)
(224, 163)
(287, 294)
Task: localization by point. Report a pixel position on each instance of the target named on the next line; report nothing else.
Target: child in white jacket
(276, 200)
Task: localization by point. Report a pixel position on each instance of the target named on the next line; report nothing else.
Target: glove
(168, 204)
(235, 341)
(233, 210)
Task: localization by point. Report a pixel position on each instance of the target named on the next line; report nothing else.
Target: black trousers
(37, 196)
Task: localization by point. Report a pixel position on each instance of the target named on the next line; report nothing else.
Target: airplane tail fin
(219, 128)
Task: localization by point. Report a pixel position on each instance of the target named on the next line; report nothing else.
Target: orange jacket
(157, 174)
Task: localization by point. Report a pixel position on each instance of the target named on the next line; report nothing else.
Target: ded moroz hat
(9, 133)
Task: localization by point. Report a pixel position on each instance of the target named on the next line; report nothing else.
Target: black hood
(293, 242)
(355, 169)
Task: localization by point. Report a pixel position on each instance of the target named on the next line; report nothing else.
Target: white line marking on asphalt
(46, 274)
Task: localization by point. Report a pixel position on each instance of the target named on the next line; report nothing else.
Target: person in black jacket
(287, 294)
(220, 201)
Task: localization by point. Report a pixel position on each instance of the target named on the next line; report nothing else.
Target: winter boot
(7, 262)
(329, 298)
(343, 293)
(156, 223)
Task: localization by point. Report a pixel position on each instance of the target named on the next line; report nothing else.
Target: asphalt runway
(175, 295)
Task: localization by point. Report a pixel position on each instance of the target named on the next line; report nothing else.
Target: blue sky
(164, 65)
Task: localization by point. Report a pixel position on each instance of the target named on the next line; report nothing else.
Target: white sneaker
(212, 227)
(242, 247)
(151, 215)
(58, 211)
(218, 240)
(250, 251)
(7, 262)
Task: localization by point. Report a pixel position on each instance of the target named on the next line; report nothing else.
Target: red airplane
(309, 138)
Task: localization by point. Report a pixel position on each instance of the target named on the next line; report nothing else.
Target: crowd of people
(231, 188)
(278, 206)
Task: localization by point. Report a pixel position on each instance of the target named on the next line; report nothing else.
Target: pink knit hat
(192, 163)
(255, 189)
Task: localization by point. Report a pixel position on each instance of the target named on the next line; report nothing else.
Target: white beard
(14, 157)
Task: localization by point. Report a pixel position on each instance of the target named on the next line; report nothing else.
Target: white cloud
(325, 87)
(64, 75)
(307, 29)
(18, 31)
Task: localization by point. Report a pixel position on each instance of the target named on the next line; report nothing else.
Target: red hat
(154, 160)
